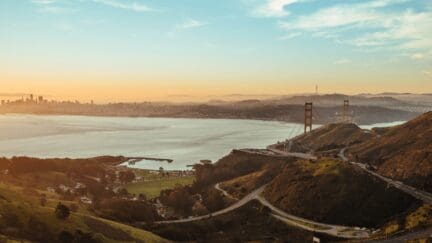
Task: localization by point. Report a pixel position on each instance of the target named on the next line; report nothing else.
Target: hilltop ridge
(402, 152)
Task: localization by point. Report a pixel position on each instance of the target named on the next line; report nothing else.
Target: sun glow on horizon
(119, 51)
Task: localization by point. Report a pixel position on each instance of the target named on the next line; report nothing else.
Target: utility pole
(308, 116)
(345, 113)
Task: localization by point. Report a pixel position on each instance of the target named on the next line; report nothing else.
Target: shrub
(62, 211)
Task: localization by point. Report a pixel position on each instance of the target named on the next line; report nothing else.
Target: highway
(290, 154)
(416, 193)
(420, 234)
(272, 150)
(278, 154)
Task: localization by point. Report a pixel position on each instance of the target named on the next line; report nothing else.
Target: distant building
(86, 200)
(3, 102)
(40, 99)
(51, 189)
(31, 97)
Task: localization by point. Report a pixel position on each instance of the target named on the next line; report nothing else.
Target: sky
(137, 50)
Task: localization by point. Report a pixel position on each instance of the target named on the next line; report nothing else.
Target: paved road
(272, 151)
(334, 230)
(421, 234)
(234, 206)
(225, 193)
(419, 194)
(290, 154)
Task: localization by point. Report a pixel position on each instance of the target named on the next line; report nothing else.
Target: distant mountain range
(327, 109)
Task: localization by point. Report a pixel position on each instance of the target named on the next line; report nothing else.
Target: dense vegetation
(335, 192)
(403, 152)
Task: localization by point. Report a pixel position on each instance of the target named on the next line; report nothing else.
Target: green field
(152, 188)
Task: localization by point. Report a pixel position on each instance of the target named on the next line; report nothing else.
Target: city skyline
(111, 50)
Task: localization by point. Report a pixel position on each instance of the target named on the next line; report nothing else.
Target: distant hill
(337, 99)
(271, 110)
(403, 152)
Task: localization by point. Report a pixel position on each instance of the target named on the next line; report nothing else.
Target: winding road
(420, 234)
(251, 196)
(416, 193)
(333, 230)
(274, 149)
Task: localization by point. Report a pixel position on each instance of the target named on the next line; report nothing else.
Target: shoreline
(281, 121)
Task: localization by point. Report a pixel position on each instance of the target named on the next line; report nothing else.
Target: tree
(62, 211)
(181, 200)
(126, 176)
(65, 237)
(161, 171)
(43, 200)
(142, 197)
(214, 201)
(123, 192)
(73, 207)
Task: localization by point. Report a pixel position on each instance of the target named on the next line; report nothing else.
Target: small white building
(86, 200)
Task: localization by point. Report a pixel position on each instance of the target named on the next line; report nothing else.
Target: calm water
(186, 141)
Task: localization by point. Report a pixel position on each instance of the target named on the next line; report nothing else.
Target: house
(64, 188)
(86, 200)
(50, 189)
(80, 185)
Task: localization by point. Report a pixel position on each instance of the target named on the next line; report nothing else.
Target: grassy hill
(22, 217)
(403, 152)
(335, 192)
(332, 136)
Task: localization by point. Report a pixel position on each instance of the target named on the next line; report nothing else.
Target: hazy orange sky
(137, 50)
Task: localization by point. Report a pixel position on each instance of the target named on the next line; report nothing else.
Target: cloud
(132, 6)
(343, 61)
(428, 74)
(54, 10)
(191, 24)
(52, 7)
(184, 26)
(44, 1)
(338, 16)
(370, 24)
(290, 36)
(273, 8)
(418, 56)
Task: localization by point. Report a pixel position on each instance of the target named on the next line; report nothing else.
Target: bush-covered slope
(334, 192)
(332, 136)
(22, 217)
(403, 152)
